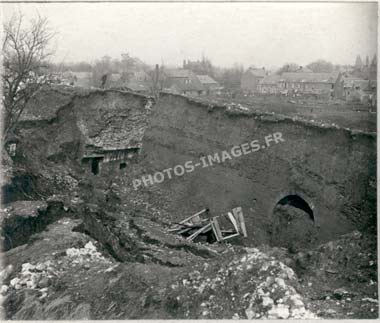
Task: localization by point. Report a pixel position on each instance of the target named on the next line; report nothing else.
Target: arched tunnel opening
(293, 224)
(297, 202)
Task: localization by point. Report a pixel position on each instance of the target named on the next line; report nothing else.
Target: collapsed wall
(99, 120)
(54, 145)
(331, 170)
(112, 124)
(58, 140)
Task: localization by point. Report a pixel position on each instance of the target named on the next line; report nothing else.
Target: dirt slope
(92, 247)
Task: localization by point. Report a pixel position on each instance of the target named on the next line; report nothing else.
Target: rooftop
(271, 79)
(304, 70)
(309, 77)
(193, 85)
(205, 79)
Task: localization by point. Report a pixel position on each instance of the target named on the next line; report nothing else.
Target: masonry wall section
(334, 170)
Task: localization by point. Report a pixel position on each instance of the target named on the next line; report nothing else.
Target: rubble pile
(40, 276)
(274, 298)
(65, 180)
(86, 254)
(36, 277)
(254, 286)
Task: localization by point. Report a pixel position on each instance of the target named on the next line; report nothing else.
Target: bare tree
(321, 66)
(25, 54)
(101, 71)
(155, 81)
(288, 67)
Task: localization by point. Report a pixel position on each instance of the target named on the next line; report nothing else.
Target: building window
(122, 165)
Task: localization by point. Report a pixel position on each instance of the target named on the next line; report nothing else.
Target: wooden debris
(195, 225)
(198, 232)
(216, 229)
(193, 221)
(233, 220)
(238, 213)
(194, 218)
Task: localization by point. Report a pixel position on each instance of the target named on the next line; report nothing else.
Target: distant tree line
(318, 66)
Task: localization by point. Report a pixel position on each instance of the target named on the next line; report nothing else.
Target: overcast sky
(263, 34)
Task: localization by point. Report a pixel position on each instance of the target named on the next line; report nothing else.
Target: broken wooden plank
(187, 225)
(238, 213)
(184, 230)
(175, 229)
(182, 226)
(198, 232)
(216, 229)
(231, 236)
(194, 215)
(228, 231)
(233, 220)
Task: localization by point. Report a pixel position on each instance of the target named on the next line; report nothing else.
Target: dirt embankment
(110, 256)
(331, 169)
(60, 126)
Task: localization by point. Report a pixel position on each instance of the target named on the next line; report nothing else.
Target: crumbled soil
(105, 252)
(175, 279)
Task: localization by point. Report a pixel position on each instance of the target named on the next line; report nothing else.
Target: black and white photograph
(187, 160)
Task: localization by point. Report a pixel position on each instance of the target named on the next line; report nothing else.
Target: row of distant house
(178, 81)
(185, 82)
(305, 82)
(302, 82)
